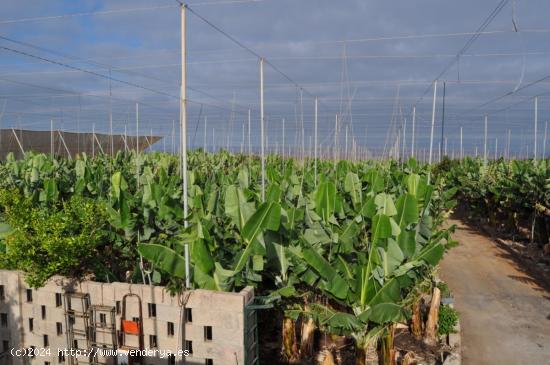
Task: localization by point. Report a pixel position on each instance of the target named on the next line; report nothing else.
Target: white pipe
(485, 144)
(205, 126)
(336, 139)
(51, 138)
(508, 144)
(249, 143)
(404, 138)
(93, 141)
(432, 130)
(173, 136)
(183, 116)
(65, 145)
(18, 142)
(283, 138)
(262, 137)
(315, 141)
(461, 147)
(536, 124)
(544, 141)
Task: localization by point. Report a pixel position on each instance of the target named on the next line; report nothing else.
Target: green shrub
(64, 238)
(448, 318)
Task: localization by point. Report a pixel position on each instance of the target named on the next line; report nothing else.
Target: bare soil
(503, 301)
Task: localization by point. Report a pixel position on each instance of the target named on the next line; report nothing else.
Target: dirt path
(504, 313)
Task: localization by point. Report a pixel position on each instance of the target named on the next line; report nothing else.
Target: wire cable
(469, 43)
(245, 47)
(106, 66)
(118, 11)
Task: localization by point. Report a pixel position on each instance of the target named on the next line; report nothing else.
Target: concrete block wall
(223, 314)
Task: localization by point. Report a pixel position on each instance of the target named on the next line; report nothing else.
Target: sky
(369, 62)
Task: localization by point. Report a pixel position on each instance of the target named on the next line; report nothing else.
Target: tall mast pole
(111, 115)
(173, 137)
(302, 122)
(283, 138)
(93, 140)
(183, 132)
(346, 144)
(336, 139)
(51, 138)
(432, 130)
(412, 136)
(461, 146)
(262, 137)
(205, 126)
(441, 141)
(125, 138)
(485, 145)
(544, 141)
(508, 144)
(137, 130)
(404, 139)
(242, 138)
(249, 144)
(536, 124)
(138, 183)
(315, 141)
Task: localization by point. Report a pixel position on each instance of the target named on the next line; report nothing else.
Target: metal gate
(251, 345)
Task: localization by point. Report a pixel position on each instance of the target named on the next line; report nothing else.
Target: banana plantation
(345, 253)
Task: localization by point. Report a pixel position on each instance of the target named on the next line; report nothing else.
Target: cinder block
(224, 337)
(248, 294)
(108, 295)
(199, 299)
(120, 289)
(228, 302)
(160, 295)
(224, 312)
(194, 333)
(96, 292)
(168, 313)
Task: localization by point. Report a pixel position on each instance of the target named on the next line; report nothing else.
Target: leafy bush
(510, 194)
(63, 239)
(448, 318)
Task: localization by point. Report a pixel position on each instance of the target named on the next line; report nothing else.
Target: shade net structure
(69, 144)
